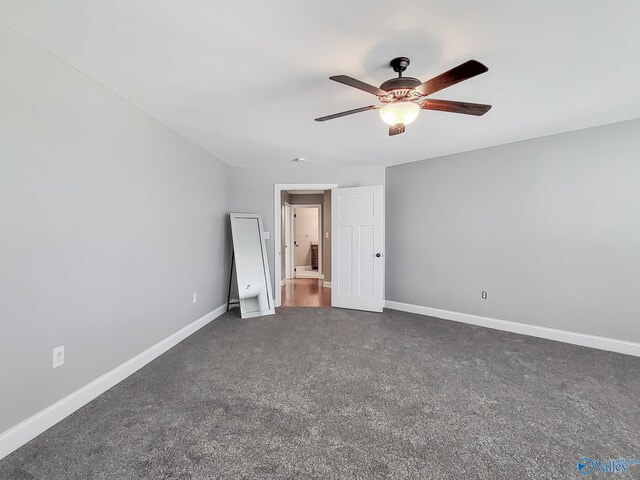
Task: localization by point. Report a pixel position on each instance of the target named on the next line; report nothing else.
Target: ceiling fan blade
(396, 130)
(348, 112)
(477, 109)
(457, 74)
(352, 82)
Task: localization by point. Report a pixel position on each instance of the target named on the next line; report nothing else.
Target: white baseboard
(283, 282)
(326, 284)
(307, 274)
(583, 339)
(33, 426)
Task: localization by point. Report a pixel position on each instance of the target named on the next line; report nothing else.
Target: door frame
(277, 216)
(320, 209)
(288, 270)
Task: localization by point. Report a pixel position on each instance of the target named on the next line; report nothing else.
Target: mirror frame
(265, 262)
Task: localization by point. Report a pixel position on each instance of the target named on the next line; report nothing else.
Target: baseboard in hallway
(308, 274)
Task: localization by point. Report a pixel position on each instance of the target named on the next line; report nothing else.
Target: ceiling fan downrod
(399, 65)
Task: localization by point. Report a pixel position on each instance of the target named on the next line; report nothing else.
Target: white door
(357, 263)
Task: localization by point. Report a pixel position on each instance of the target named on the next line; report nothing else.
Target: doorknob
(378, 255)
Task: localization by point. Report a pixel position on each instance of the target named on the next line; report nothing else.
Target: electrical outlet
(195, 297)
(484, 295)
(267, 235)
(58, 357)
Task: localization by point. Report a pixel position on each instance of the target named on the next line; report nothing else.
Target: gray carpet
(329, 393)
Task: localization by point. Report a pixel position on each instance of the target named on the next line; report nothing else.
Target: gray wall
(253, 187)
(549, 227)
(301, 198)
(110, 221)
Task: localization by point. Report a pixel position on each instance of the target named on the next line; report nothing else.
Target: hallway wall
(325, 200)
(305, 233)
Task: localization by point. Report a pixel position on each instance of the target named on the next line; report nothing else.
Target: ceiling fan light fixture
(403, 97)
(399, 113)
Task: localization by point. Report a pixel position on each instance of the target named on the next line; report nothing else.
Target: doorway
(354, 271)
(304, 246)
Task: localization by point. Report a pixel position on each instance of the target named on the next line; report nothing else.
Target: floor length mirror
(252, 267)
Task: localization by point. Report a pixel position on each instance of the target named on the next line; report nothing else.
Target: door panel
(367, 261)
(345, 260)
(358, 236)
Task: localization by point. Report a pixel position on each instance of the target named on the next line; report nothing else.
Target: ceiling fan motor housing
(402, 83)
(401, 88)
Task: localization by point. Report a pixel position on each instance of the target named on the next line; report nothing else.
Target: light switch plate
(267, 236)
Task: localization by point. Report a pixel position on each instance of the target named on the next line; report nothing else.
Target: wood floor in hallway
(305, 292)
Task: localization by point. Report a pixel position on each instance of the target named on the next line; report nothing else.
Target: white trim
(583, 339)
(277, 194)
(307, 274)
(326, 284)
(283, 282)
(289, 260)
(33, 426)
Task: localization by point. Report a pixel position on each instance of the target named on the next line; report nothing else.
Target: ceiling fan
(402, 97)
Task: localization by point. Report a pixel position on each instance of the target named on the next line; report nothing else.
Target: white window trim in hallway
(277, 200)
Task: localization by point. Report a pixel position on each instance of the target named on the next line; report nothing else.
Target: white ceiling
(245, 79)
